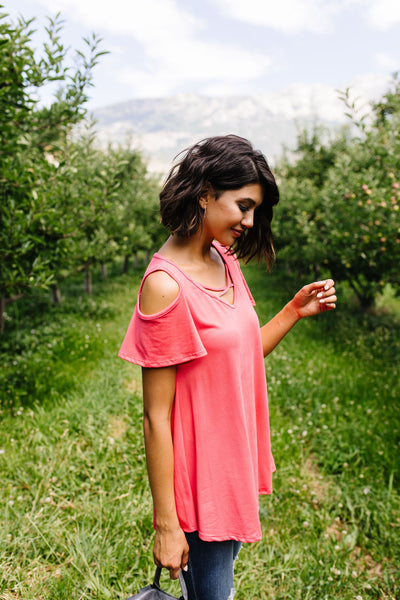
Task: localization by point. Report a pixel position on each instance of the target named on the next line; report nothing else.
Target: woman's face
(228, 216)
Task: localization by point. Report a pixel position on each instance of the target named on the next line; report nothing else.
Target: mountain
(163, 127)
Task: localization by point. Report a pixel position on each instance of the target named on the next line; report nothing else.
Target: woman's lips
(237, 232)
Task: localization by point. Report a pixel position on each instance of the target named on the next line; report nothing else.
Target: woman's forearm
(170, 549)
(310, 300)
(158, 399)
(160, 468)
(276, 329)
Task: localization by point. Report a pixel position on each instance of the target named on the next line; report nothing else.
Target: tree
(361, 206)
(298, 216)
(30, 136)
(341, 218)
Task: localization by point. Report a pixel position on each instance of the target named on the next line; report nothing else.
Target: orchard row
(339, 213)
(65, 204)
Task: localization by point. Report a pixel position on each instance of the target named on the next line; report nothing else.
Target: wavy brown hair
(224, 163)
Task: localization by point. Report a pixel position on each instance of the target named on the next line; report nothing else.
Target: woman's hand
(171, 550)
(315, 298)
(311, 300)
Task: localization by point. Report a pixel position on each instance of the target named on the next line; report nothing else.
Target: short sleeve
(164, 339)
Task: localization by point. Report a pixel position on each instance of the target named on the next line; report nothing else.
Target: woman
(197, 337)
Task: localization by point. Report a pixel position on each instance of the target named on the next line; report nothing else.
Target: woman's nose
(247, 220)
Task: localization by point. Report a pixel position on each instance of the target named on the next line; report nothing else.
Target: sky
(160, 48)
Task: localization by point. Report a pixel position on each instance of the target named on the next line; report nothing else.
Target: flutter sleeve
(164, 339)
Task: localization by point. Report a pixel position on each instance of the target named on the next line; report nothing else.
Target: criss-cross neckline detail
(217, 293)
(221, 291)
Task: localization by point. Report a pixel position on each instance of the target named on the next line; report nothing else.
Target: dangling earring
(205, 212)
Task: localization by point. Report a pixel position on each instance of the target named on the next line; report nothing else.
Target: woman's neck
(193, 250)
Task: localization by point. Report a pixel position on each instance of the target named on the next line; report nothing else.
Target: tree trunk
(103, 269)
(125, 264)
(367, 301)
(364, 295)
(55, 294)
(2, 310)
(135, 261)
(3, 303)
(88, 280)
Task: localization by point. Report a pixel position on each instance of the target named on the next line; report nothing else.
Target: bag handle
(156, 582)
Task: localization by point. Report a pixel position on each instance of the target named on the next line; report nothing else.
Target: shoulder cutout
(159, 290)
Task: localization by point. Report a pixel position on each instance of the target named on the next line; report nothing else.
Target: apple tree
(30, 134)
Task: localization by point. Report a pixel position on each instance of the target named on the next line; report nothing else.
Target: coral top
(220, 424)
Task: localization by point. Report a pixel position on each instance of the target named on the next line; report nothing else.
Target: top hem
(155, 364)
(245, 539)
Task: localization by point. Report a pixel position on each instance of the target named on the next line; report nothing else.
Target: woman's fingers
(328, 302)
(174, 573)
(325, 284)
(327, 296)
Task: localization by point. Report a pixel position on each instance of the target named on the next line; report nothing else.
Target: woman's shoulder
(158, 291)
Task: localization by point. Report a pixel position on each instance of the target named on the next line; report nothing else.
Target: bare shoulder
(159, 291)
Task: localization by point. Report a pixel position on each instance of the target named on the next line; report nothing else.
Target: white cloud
(383, 14)
(177, 52)
(288, 16)
(370, 86)
(300, 100)
(386, 62)
(315, 16)
(145, 20)
(209, 66)
(367, 88)
(173, 42)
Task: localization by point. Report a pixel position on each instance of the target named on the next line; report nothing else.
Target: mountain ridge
(163, 127)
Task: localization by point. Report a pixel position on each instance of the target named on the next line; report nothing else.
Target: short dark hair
(225, 163)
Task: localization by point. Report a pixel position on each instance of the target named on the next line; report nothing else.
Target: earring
(205, 212)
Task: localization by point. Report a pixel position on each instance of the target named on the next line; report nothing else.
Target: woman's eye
(243, 208)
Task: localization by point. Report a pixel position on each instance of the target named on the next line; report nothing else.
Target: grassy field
(75, 508)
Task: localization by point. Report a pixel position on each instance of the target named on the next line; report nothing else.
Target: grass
(75, 508)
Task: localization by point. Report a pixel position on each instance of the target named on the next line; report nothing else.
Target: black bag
(154, 592)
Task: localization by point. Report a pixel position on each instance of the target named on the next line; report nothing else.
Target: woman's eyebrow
(249, 200)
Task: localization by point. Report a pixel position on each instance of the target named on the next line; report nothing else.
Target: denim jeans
(210, 572)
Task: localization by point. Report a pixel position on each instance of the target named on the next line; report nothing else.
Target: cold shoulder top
(220, 423)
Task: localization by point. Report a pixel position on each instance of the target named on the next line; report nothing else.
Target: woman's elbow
(154, 421)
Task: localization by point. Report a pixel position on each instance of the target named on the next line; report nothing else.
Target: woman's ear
(205, 195)
(203, 201)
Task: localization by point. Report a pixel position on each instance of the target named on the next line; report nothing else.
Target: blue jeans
(210, 572)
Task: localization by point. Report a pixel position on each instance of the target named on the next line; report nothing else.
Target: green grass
(75, 508)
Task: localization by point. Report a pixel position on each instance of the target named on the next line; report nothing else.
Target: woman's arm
(311, 300)
(170, 547)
